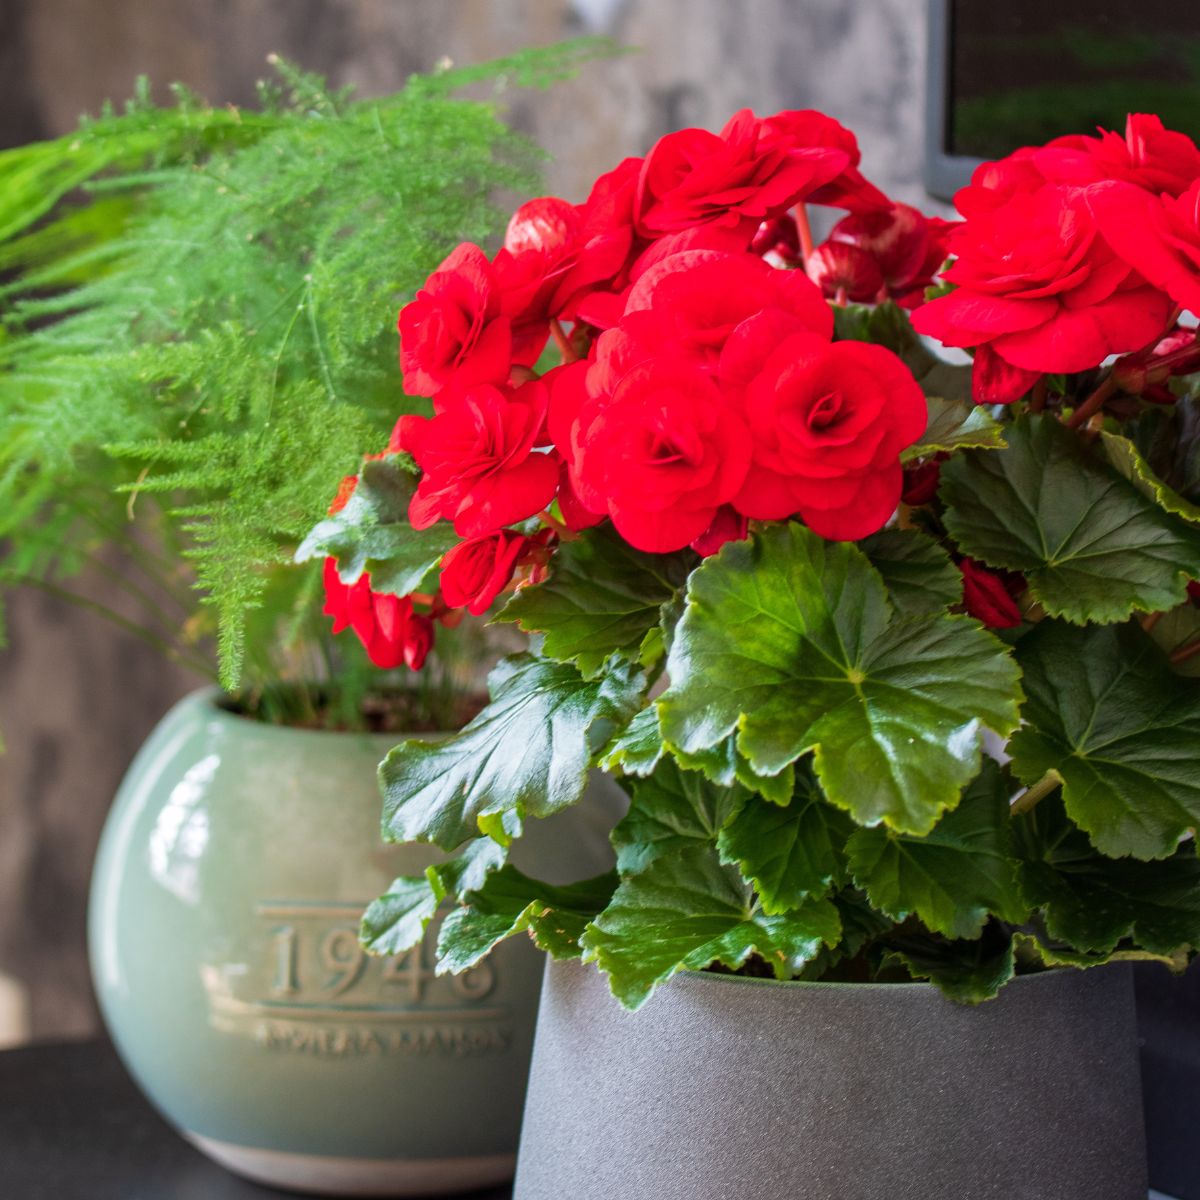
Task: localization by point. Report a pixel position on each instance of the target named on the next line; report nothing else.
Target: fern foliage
(197, 329)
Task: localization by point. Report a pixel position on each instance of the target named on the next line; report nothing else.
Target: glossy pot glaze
(723, 1087)
(225, 903)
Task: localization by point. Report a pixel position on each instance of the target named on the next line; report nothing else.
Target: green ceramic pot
(225, 904)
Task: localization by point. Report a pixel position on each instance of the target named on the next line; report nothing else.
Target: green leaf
(372, 533)
(1111, 719)
(1168, 437)
(1038, 948)
(1128, 460)
(920, 577)
(952, 878)
(955, 425)
(686, 910)
(790, 854)
(968, 971)
(526, 753)
(791, 641)
(468, 869)
(1091, 545)
(671, 810)
(397, 921)
(1093, 903)
(602, 598)
(724, 763)
(509, 903)
(638, 748)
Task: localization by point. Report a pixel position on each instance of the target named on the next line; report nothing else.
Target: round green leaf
(1122, 731)
(1092, 546)
(526, 753)
(792, 642)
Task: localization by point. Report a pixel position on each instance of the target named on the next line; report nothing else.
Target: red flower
(907, 247)
(1039, 285)
(606, 228)
(988, 596)
(475, 572)
(477, 452)
(659, 450)
(828, 425)
(995, 381)
(1148, 156)
(845, 272)
(808, 128)
(727, 526)
(454, 329)
(1158, 236)
(742, 177)
(555, 254)
(921, 482)
(994, 184)
(691, 306)
(778, 240)
(393, 634)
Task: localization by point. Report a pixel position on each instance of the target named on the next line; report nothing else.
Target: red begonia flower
(1160, 236)
(1037, 283)
(454, 330)
(809, 128)
(739, 178)
(845, 272)
(1150, 157)
(828, 423)
(475, 572)
(995, 381)
(689, 306)
(727, 526)
(393, 634)
(907, 247)
(660, 450)
(481, 470)
(988, 596)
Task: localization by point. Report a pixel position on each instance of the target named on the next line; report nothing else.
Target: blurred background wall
(77, 696)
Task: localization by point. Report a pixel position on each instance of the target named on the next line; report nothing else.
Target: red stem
(1093, 403)
(1185, 653)
(800, 212)
(563, 342)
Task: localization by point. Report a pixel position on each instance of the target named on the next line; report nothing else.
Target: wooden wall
(76, 696)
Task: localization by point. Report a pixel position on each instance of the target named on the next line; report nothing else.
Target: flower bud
(844, 272)
(779, 237)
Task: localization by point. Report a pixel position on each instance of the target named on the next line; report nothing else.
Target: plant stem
(1031, 797)
(563, 342)
(1093, 403)
(1037, 402)
(566, 534)
(804, 229)
(1186, 653)
(1148, 623)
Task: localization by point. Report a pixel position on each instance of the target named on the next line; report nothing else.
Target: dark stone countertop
(73, 1126)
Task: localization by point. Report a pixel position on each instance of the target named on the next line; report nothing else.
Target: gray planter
(735, 1089)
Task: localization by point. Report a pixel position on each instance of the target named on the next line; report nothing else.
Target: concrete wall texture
(78, 696)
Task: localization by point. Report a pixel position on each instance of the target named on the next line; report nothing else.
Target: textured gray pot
(737, 1089)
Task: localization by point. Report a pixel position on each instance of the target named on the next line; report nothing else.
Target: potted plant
(895, 657)
(192, 349)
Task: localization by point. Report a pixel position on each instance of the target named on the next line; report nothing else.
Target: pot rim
(700, 977)
(217, 701)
